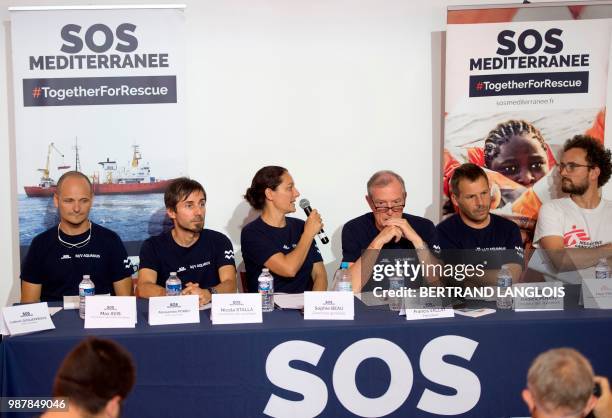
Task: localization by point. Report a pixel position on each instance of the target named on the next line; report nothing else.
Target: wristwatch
(212, 290)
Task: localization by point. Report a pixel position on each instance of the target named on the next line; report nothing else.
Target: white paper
(597, 293)
(538, 303)
(71, 302)
(3, 328)
(110, 312)
(474, 312)
(165, 310)
(431, 313)
(24, 319)
(329, 305)
(54, 309)
(289, 300)
(236, 308)
(369, 299)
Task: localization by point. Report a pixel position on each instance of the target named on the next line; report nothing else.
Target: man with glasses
(386, 228)
(576, 231)
(203, 259)
(474, 235)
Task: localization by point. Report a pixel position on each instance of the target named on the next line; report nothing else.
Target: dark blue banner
(98, 91)
(529, 83)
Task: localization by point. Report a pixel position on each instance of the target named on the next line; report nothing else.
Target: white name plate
(110, 312)
(597, 293)
(429, 313)
(329, 305)
(544, 296)
(236, 308)
(24, 319)
(166, 310)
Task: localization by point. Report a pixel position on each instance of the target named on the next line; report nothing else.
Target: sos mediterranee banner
(520, 81)
(100, 91)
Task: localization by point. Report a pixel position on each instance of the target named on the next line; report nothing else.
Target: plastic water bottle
(173, 285)
(86, 288)
(504, 282)
(602, 269)
(395, 284)
(342, 279)
(266, 290)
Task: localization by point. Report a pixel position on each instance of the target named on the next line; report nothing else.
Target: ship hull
(107, 189)
(37, 191)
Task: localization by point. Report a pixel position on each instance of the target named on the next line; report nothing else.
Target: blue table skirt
(220, 371)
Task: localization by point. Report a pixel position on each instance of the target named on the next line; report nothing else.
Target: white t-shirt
(580, 228)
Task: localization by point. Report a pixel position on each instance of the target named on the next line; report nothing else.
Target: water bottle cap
(264, 270)
(86, 276)
(344, 265)
(603, 260)
(173, 273)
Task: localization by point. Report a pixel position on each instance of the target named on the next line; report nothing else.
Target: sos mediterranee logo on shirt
(93, 48)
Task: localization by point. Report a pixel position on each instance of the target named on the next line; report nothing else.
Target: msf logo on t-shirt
(574, 237)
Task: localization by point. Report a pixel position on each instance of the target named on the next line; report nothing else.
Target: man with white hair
(386, 227)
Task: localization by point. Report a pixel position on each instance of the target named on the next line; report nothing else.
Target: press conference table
(194, 370)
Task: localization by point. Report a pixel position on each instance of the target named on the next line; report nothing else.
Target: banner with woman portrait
(520, 81)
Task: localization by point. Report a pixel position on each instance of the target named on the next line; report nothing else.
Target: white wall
(331, 89)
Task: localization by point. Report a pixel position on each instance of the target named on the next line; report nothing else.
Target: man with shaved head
(59, 257)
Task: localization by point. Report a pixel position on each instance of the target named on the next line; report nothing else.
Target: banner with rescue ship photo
(99, 90)
(518, 85)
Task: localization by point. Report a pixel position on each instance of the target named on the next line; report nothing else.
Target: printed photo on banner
(99, 92)
(516, 96)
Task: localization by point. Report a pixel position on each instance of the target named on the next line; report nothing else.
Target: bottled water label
(87, 291)
(173, 289)
(345, 287)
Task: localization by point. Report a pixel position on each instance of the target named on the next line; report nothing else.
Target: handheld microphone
(305, 204)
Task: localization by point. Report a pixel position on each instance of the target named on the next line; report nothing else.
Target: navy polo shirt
(358, 233)
(261, 241)
(496, 244)
(198, 263)
(60, 268)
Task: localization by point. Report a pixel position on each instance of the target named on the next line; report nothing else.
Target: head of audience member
(386, 196)
(517, 150)
(73, 198)
(185, 201)
(470, 192)
(560, 384)
(272, 189)
(585, 165)
(96, 376)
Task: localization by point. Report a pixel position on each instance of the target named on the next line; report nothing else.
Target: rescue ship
(135, 179)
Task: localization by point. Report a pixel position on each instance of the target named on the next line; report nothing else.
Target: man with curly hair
(576, 231)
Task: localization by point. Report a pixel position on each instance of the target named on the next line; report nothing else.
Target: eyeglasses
(570, 167)
(385, 209)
